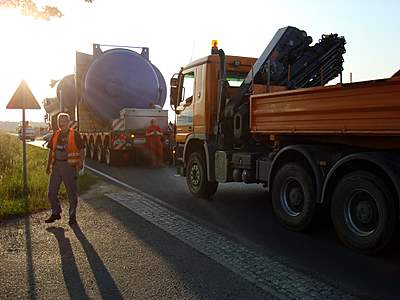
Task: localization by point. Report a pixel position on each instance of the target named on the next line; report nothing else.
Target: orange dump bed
(364, 108)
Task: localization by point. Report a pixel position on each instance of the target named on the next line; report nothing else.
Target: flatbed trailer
(122, 138)
(369, 108)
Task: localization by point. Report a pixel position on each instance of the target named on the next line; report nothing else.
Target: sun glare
(31, 50)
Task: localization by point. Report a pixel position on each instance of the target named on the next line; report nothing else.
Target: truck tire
(363, 212)
(92, 151)
(294, 197)
(196, 177)
(111, 157)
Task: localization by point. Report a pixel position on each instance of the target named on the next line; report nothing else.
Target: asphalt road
(244, 212)
(111, 254)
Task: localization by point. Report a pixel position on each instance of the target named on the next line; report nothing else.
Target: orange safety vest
(73, 153)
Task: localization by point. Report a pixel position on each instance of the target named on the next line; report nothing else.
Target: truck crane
(316, 148)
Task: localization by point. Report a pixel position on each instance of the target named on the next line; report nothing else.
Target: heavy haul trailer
(315, 148)
(119, 92)
(122, 140)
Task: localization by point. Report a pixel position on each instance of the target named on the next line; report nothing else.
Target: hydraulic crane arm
(290, 61)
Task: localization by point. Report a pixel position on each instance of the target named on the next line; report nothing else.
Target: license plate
(139, 141)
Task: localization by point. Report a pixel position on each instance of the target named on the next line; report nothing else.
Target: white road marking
(277, 279)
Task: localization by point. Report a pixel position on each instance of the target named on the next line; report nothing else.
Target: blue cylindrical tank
(66, 92)
(121, 78)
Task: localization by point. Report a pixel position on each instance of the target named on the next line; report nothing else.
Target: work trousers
(63, 172)
(156, 151)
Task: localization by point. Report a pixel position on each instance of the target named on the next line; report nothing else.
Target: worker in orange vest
(153, 139)
(65, 159)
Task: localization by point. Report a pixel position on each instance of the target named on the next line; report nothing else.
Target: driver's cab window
(188, 88)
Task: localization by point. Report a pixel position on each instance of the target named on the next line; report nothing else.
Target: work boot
(72, 221)
(53, 218)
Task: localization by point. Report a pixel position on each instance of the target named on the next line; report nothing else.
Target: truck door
(184, 120)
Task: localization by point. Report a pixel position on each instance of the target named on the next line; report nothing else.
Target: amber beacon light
(214, 47)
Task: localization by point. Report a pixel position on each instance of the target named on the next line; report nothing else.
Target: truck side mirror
(175, 91)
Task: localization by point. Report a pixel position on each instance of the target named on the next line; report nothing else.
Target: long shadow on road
(107, 287)
(197, 274)
(105, 282)
(70, 270)
(30, 271)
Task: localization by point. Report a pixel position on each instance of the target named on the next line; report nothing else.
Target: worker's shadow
(70, 271)
(105, 283)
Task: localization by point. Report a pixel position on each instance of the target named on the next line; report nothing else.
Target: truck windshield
(235, 79)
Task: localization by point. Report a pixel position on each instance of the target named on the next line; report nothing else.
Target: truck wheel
(294, 197)
(363, 212)
(111, 157)
(196, 177)
(92, 151)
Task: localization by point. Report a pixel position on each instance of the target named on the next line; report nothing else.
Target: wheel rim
(362, 213)
(195, 175)
(292, 197)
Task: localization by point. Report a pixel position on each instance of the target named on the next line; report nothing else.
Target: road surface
(245, 212)
(240, 216)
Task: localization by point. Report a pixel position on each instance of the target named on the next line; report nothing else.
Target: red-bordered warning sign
(23, 98)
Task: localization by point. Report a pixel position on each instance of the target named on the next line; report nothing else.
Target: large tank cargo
(52, 108)
(66, 94)
(65, 101)
(113, 96)
(121, 78)
(119, 92)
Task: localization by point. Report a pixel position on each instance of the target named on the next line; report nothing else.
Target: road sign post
(23, 99)
(24, 173)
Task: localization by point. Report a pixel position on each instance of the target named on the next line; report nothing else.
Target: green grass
(13, 202)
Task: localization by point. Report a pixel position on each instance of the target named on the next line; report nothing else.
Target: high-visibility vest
(73, 153)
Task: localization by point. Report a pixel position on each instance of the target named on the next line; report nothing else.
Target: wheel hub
(362, 213)
(292, 197)
(295, 196)
(195, 174)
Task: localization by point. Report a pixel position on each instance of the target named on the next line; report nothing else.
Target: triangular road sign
(23, 98)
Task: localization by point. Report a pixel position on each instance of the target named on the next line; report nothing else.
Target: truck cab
(194, 98)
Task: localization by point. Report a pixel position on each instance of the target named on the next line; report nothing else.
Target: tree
(30, 8)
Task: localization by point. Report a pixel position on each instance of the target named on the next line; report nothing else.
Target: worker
(65, 159)
(153, 140)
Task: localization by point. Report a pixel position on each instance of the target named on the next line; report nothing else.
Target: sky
(178, 31)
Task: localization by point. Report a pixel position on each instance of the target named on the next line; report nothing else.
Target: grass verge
(12, 200)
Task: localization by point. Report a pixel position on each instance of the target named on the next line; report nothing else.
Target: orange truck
(321, 151)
